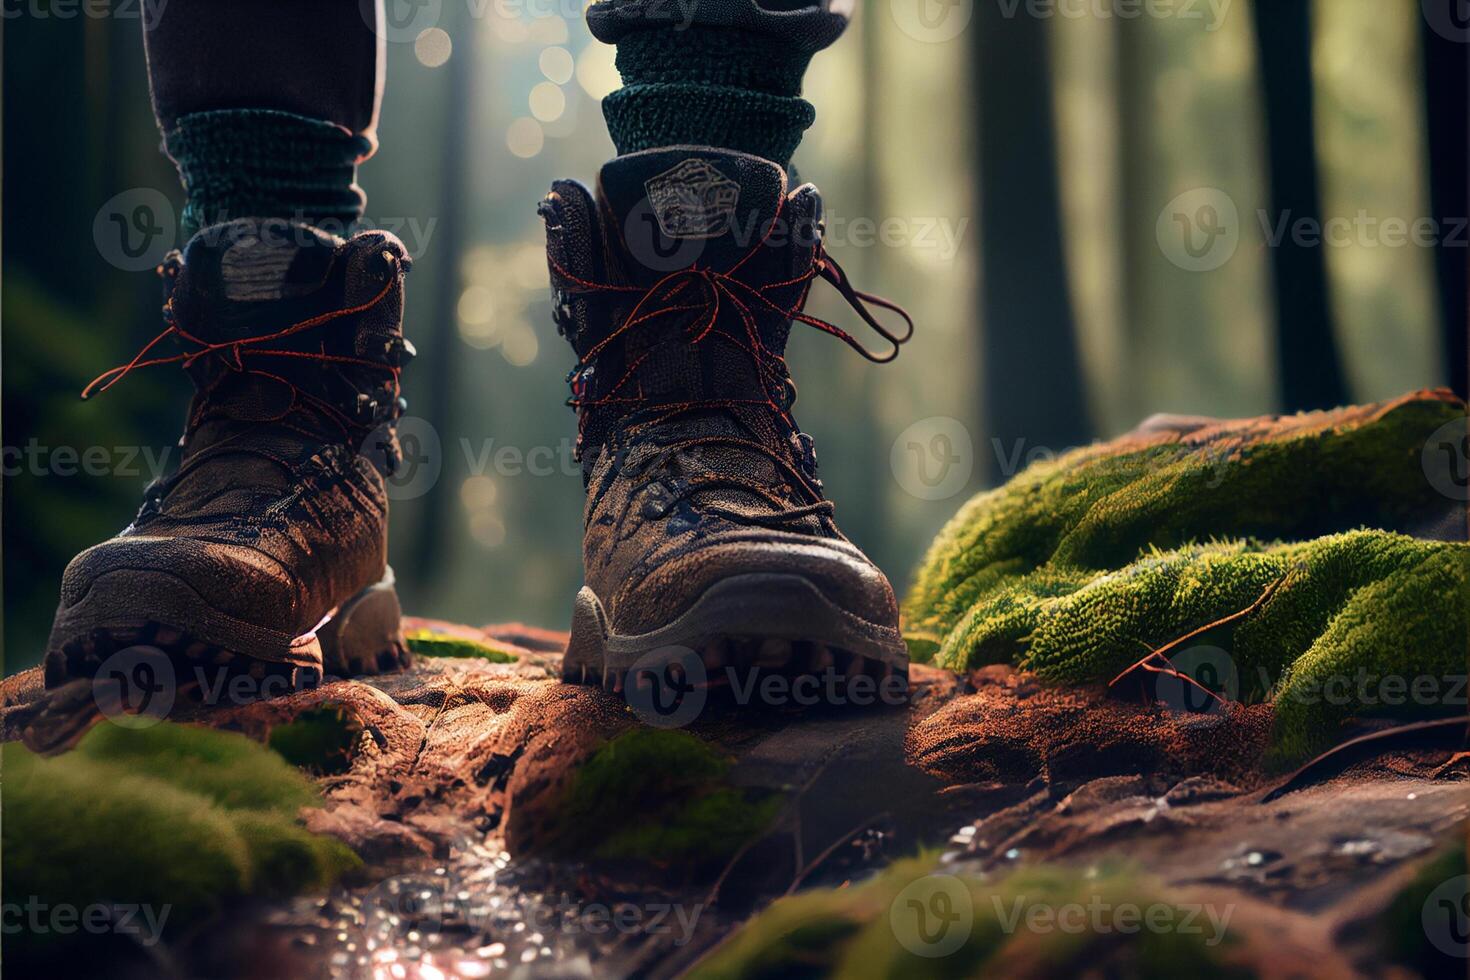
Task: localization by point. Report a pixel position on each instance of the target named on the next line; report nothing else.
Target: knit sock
(730, 81)
(262, 163)
(709, 86)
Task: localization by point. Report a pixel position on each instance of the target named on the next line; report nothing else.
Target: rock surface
(460, 764)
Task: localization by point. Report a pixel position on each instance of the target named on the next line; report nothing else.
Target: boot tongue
(247, 276)
(687, 206)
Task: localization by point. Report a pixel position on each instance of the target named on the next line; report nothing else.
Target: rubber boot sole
(182, 636)
(361, 636)
(781, 623)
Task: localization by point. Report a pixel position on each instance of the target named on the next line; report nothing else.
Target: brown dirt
(464, 750)
(1013, 729)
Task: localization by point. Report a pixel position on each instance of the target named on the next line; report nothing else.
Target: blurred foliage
(1147, 109)
(892, 925)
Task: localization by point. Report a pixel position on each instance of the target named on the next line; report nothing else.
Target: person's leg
(267, 106)
(264, 551)
(708, 538)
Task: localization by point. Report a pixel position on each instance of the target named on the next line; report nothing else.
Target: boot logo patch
(693, 200)
(257, 269)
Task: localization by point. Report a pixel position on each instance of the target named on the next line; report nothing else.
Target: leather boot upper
(677, 285)
(293, 339)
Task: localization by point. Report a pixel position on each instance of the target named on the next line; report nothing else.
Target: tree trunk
(1447, 111)
(1309, 367)
(1033, 388)
(433, 538)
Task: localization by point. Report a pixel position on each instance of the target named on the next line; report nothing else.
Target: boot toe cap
(169, 578)
(837, 570)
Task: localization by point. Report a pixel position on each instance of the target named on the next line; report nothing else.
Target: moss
(1013, 927)
(321, 740)
(226, 769)
(288, 858)
(1080, 565)
(173, 816)
(1103, 506)
(659, 796)
(428, 643)
(77, 831)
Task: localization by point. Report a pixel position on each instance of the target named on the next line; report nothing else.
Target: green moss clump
(229, 770)
(658, 796)
(178, 817)
(428, 643)
(1081, 565)
(1036, 922)
(321, 740)
(1101, 507)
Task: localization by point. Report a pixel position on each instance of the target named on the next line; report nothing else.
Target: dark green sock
(260, 163)
(711, 86)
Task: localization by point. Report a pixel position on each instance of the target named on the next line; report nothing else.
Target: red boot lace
(717, 291)
(236, 351)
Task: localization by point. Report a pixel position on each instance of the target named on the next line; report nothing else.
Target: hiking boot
(707, 535)
(265, 550)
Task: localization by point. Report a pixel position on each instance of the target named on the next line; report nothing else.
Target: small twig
(714, 892)
(1163, 651)
(790, 812)
(832, 849)
(798, 856)
(1301, 776)
(1171, 671)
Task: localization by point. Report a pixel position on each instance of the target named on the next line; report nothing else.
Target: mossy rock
(656, 796)
(428, 643)
(1081, 565)
(321, 741)
(912, 921)
(172, 816)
